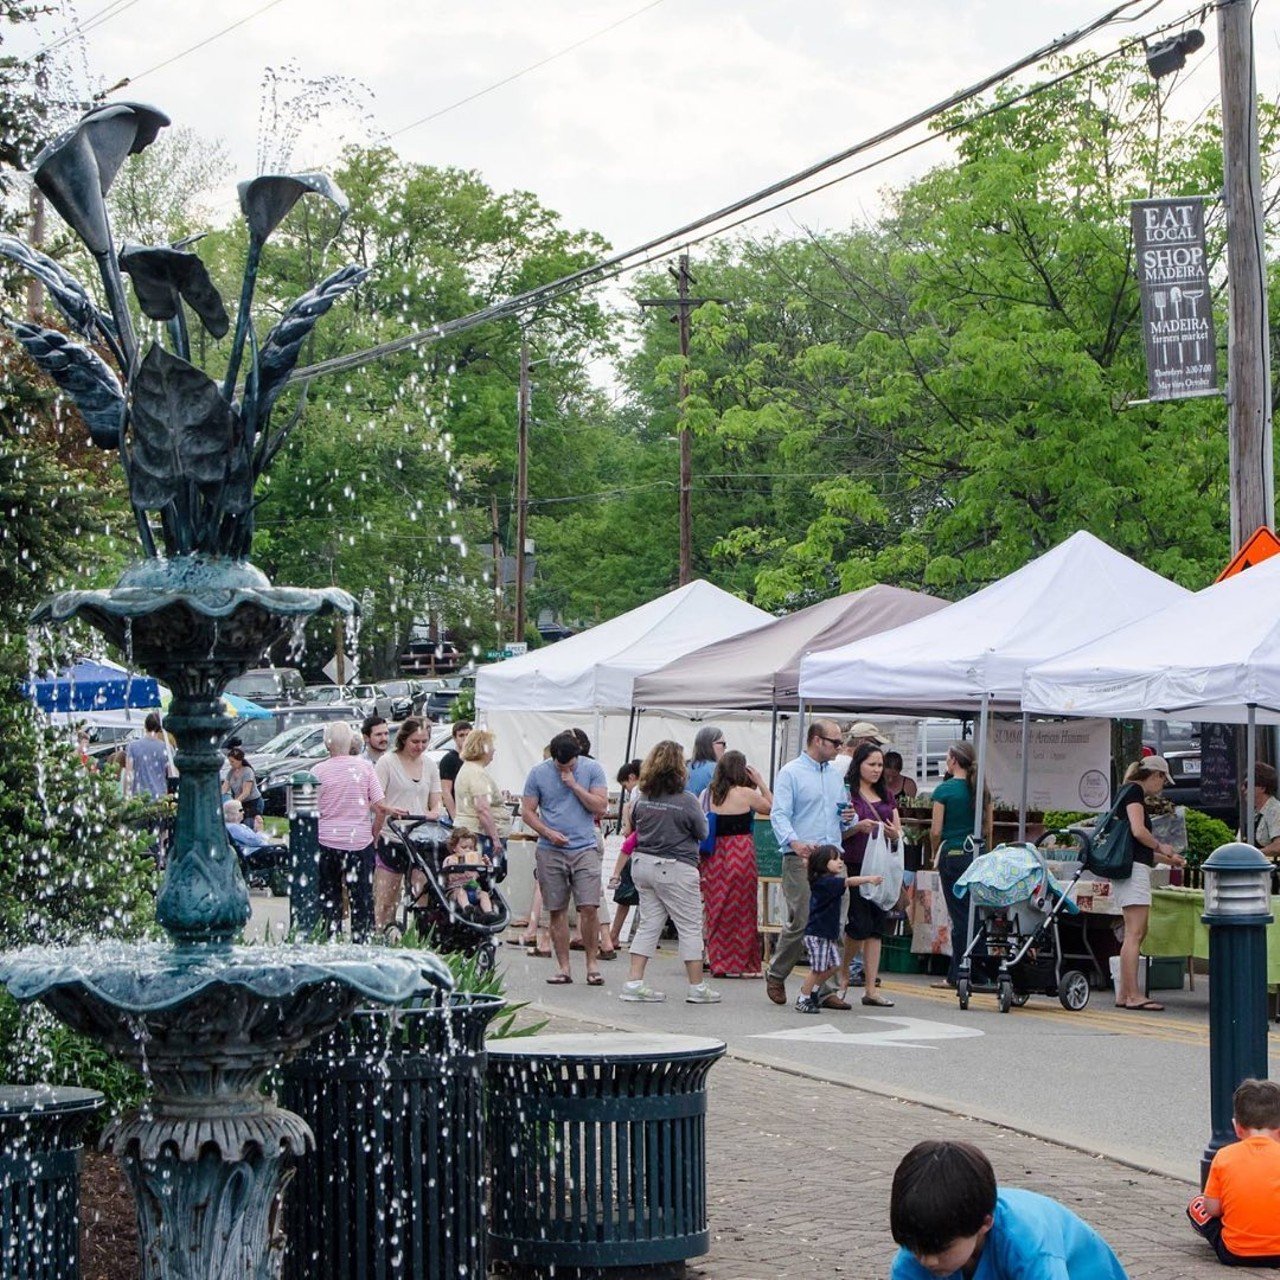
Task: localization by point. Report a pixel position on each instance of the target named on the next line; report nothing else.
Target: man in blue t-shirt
(563, 797)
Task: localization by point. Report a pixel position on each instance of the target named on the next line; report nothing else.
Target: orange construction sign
(1262, 545)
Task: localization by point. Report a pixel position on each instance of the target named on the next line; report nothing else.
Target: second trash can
(40, 1156)
(394, 1189)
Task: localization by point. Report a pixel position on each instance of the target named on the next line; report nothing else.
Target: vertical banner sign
(1177, 303)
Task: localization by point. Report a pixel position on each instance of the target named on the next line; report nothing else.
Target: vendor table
(1175, 928)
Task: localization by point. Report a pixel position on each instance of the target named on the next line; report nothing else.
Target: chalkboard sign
(1217, 765)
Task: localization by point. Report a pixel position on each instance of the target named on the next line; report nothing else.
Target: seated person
(951, 1221)
(247, 841)
(1239, 1213)
(462, 887)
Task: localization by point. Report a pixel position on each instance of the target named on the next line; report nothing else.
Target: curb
(928, 1101)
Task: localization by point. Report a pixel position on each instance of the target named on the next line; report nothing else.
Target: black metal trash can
(394, 1189)
(40, 1158)
(598, 1150)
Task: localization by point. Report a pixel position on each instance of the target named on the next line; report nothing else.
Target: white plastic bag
(885, 860)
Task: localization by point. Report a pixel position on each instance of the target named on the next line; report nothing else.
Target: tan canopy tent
(760, 669)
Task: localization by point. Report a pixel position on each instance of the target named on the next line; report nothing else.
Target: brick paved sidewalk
(799, 1171)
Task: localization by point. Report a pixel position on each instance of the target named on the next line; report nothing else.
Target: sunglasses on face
(835, 742)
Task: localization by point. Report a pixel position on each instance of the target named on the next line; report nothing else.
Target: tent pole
(1026, 759)
(979, 809)
(631, 734)
(803, 731)
(982, 766)
(1251, 760)
(773, 742)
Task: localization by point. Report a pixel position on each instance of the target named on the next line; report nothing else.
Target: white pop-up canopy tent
(760, 669)
(971, 656)
(1208, 656)
(588, 679)
(1212, 656)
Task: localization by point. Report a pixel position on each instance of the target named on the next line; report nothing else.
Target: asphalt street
(1130, 1086)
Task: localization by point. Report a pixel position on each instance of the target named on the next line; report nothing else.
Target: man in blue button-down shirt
(807, 798)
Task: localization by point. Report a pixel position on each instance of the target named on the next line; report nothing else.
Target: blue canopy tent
(94, 686)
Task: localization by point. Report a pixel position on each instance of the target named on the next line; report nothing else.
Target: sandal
(1147, 1006)
(611, 954)
(880, 1002)
(540, 952)
(595, 979)
(560, 980)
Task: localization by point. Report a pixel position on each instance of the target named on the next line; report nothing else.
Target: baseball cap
(1157, 764)
(864, 729)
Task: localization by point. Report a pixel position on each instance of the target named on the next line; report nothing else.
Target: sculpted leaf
(182, 430)
(163, 278)
(266, 200)
(68, 293)
(82, 375)
(280, 351)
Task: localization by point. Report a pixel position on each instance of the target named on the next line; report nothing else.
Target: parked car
(440, 702)
(395, 699)
(299, 748)
(255, 733)
(1179, 742)
(270, 686)
(333, 695)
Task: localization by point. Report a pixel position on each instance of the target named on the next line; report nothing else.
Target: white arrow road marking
(908, 1033)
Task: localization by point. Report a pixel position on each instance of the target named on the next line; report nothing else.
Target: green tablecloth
(1175, 928)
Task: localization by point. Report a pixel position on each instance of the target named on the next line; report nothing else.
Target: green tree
(386, 487)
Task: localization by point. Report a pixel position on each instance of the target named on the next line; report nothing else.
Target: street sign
(1177, 299)
(1261, 546)
(346, 672)
(516, 649)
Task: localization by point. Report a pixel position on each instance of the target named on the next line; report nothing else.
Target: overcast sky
(682, 107)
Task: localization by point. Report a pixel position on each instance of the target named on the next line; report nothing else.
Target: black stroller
(1017, 934)
(418, 847)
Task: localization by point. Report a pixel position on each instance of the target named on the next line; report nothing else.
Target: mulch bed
(108, 1227)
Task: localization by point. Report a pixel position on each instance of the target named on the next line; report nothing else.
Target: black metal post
(304, 855)
(1237, 885)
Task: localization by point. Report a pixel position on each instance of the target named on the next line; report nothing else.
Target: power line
(515, 75)
(596, 272)
(99, 17)
(217, 35)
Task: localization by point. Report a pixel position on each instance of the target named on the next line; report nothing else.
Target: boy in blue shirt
(952, 1222)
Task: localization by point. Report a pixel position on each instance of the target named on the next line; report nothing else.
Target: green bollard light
(304, 853)
(1237, 909)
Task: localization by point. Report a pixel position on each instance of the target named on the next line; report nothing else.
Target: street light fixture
(1171, 55)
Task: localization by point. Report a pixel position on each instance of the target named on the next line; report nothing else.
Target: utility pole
(684, 306)
(522, 487)
(35, 290)
(497, 564)
(1248, 348)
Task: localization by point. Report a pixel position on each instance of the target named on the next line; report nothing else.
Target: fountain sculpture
(203, 1018)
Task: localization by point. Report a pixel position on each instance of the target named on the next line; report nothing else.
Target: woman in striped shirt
(349, 800)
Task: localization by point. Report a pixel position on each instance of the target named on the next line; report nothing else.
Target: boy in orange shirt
(1239, 1212)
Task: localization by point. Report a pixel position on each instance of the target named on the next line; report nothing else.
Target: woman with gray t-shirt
(669, 824)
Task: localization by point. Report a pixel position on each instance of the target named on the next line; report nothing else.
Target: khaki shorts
(562, 870)
(1136, 890)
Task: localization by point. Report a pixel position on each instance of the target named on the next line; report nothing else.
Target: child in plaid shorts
(828, 880)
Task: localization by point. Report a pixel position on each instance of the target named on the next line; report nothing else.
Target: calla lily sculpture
(192, 450)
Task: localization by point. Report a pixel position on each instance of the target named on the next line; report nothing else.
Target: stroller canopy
(1010, 873)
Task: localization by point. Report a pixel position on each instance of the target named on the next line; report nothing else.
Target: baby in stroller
(466, 894)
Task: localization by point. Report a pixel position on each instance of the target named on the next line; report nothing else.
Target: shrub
(74, 867)
(1204, 835)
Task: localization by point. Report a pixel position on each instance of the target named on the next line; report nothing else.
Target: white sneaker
(638, 993)
(702, 994)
